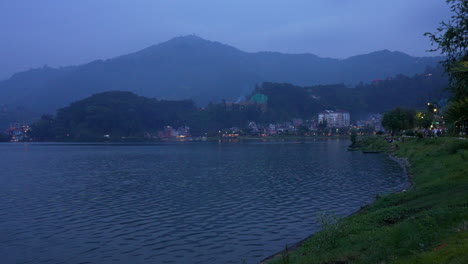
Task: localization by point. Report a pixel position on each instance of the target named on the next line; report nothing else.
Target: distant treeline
(125, 114)
(286, 101)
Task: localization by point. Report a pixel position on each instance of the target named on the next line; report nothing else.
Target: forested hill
(287, 101)
(125, 114)
(193, 68)
(121, 114)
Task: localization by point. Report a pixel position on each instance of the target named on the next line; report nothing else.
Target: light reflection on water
(177, 203)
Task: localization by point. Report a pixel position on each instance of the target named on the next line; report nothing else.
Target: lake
(194, 202)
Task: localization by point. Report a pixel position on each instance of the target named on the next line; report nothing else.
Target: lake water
(205, 202)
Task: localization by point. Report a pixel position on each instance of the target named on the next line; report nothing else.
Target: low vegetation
(372, 143)
(426, 224)
(4, 137)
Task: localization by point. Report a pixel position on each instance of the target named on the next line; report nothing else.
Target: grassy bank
(426, 224)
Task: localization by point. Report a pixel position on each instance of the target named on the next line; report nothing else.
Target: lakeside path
(426, 224)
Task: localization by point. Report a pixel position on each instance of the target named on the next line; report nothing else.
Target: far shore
(194, 139)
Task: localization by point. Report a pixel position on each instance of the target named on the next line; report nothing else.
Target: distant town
(326, 123)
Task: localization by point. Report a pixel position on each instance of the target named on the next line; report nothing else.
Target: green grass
(425, 224)
(373, 143)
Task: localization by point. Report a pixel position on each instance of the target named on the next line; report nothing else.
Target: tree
(43, 129)
(460, 73)
(4, 137)
(451, 38)
(322, 125)
(302, 130)
(399, 119)
(424, 119)
(353, 136)
(457, 114)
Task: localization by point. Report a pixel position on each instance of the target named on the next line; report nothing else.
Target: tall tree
(399, 119)
(451, 39)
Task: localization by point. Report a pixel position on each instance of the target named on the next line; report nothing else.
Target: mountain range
(190, 67)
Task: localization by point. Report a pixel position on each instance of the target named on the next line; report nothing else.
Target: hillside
(125, 114)
(117, 113)
(193, 68)
(286, 101)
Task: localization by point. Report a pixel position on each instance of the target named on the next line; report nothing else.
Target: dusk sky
(62, 33)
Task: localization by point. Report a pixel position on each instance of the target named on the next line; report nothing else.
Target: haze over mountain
(190, 67)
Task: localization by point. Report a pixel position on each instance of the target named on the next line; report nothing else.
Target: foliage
(288, 101)
(399, 119)
(425, 224)
(322, 125)
(371, 143)
(457, 111)
(4, 137)
(217, 116)
(124, 114)
(451, 37)
(353, 138)
(424, 119)
(460, 73)
(457, 114)
(43, 129)
(331, 228)
(117, 114)
(303, 130)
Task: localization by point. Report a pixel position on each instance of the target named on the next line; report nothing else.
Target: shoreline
(427, 223)
(193, 139)
(404, 164)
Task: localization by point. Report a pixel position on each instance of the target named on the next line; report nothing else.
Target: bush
(4, 137)
(456, 145)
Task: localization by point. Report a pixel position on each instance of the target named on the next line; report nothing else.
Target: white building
(335, 118)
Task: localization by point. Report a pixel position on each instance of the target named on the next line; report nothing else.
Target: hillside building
(335, 118)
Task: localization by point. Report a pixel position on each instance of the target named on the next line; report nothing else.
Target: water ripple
(177, 203)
